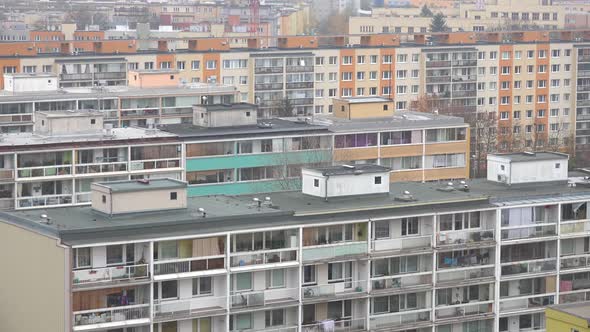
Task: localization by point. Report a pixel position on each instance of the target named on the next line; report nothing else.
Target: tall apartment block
(349, 252)
(530, 81)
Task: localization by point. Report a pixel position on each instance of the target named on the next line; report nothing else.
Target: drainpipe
(326, 189)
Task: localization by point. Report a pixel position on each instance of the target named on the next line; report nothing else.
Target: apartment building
(220, 149)
(492, 15)
(583, 104)
(56, 164)
(152, 97)
(348, 253)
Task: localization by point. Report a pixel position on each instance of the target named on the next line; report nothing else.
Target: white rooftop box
(345, 180)
(527, 167)
(27, 82)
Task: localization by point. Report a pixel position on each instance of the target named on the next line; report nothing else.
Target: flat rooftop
(578, 309)
(114, 92)
(351, 169)
(83, 225)
(531, 156)
(400, 120)
(362, 100)
(275, 126)
(227, 107)
(70, 114)
(142, 185)
(23, 141)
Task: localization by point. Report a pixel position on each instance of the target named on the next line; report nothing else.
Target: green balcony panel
(244, 188)
(255, 160)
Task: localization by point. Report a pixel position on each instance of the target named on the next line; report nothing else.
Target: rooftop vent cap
(448, 188)
(406, 196)
(143, 181)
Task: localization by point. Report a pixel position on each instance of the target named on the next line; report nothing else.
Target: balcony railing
(39, 171)
(268, 86)
(46, 200)
(112, 315)
(342, 325)
(423, 241)
(299, 69)
(172, 111)
(110, 274)
(110, 76)
(528, 232)
(268, 70)
(438, 63)
(75, 77)
(277, 329)
(438, 79)
(266, 257)
(584, 58)
(154, 164)
(184, 265)
(94, 168)
(532, 266)
(6, 174)
(461, 94)
(464, 63)
(299, 85)
(85, 197)
(263, 297)
(580, 296)
(575, 262)
(334, 251)
(334, 289)
(382, 284)
(465, 237)
(400, 318)
(15, 118)
(6, 203)
(526, 302)
(188, 307)
(484, 307)
(578, 226)
(465, 275)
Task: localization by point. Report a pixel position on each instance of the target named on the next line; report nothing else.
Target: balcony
(154, 164)
(268, 86)
(277, 329)
(202, 306)
(275, 257)
(299, 85)
(438, 79)
(44, 171)
(583, 58)
(529, 267)
(180, 111)
(580, 296)
(75, 77)
(261, 298)
(45, 200)
(342, 325)
(109, 275)
(348, 289)
(581, 227)
(438, 64)
(401, 284)
(302, 101)
(299, 69)
(526, 302)
(583, 73)
(15, 118)
(464, 78)
(409, 319)
(97, 168)
(110, 76)
(83, 197)
(464, 94)
(453, 313)
(6, 174)
(140, 113)
(172, 269)
(466, 238)
(465, 276)
(575, 262)
(423, 242)
(346, 250)
(111, 317)
(268, 70)
(528, 232)
(464, 63)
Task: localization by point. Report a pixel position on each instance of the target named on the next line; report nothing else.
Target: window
(275, 278)
(554, 68)
(554, 112)
(372, 75)
(517, 84)
(211, 64)
(274, 317)
(195, 64)
(173, 196)
(481, 55)
(316, 183)
(347, 60)
(241, 322)
(493, 55)
(82, 258)
(505, 55)
(516, 115)
(309, 274)
(542, 54)
(202, 286)
(333, 60)
(503, 115)
(104, 198)
(169, 289)
(339, 272)
(319, 61)
(530, 69)
(402, 74)
(360, 75)
(517, 70)
(347, 76)
(415, 73)
(360, 59)
(402, 58)
(114, 254)
(517, 55)
(493, 70)
(530, 54)
(410, 226)
(332, 76)
(373, 59)
(377, 180)
(386, 59)
(540, 113)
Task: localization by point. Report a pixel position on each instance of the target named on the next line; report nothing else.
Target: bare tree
(484, 140)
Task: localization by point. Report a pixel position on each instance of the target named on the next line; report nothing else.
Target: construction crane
(254, 19)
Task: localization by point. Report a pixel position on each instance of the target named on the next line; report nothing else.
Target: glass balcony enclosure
(190, 255)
